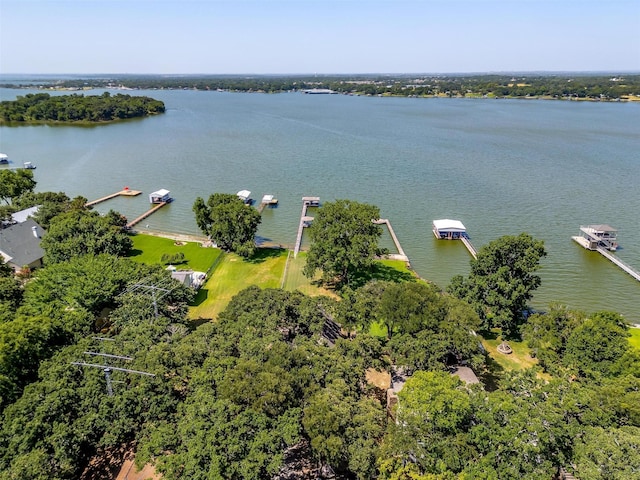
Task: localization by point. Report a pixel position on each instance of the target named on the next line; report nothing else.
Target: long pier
(467, 243)
(400, 255)
(305, 220)
(631, 271)
(146, 214)
(125, 193)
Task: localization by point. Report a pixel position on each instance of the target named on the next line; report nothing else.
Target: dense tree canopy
(82, 232)
(502, 280)
(229, 222)
(42, 108)
(344, 240)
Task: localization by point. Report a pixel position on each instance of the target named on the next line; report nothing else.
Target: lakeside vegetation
(275, 387)
(601, 87)
(37, 108)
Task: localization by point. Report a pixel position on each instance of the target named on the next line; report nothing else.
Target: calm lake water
(500, 166)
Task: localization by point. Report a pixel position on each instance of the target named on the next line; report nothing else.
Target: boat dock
(267, 200)
(305, 220)
(400, 255)
(447, 229)
(467, 243)
(603, 239)
(631, 271)
(126, 192)
(155, 208)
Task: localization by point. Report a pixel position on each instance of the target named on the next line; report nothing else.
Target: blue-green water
(500, 166)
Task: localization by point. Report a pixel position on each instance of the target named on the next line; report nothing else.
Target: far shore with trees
(613, 86)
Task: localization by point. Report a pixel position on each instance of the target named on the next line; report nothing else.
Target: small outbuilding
(160, 196)
(447, 229)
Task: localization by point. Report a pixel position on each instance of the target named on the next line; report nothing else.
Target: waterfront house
(20, 245)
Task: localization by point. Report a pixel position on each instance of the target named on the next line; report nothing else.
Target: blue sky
(305, 36)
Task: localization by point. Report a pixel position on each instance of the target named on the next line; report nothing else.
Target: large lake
(500, 166)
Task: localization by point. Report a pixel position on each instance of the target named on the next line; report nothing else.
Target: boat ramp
(603, 239)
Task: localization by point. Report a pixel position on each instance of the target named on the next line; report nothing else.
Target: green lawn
(295, 279)
(233, 274)
(634, 340)
(149, 249)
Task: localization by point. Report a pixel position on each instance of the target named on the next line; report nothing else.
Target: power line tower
(156, 289)
(107, 369)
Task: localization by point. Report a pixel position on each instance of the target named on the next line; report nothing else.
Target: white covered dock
(160, 196)
(593, 237)
(447, 229)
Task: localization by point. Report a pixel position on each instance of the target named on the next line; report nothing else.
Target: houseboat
(593, 237)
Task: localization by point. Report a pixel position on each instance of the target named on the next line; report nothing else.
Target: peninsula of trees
(600, 87)
(77, 108)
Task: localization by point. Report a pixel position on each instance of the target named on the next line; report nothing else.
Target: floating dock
(603, 239)
(305, 220)
(155, 208)
(400, 255)
(126, 192)
(447, 229)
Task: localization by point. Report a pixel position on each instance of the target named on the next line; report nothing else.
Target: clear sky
(318, 36)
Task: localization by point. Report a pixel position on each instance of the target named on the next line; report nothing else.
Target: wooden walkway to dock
(305, 220)
(631, 271)
(146, 214)
(467, 243)
(125, 193)
(400, 255)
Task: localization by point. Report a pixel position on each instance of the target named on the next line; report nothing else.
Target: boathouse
(447, 229)
(593, 237)
(161, 196)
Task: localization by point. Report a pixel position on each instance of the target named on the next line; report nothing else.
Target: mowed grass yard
(149, 249)
(233, 274)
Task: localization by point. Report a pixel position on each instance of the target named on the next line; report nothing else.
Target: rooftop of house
(20, 243)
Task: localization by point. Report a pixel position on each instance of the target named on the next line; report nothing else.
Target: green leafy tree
(14, 183)
(598, 344)
(608, 454)
(229, 222)
(82, 232)
(344, 241)
(502, 280)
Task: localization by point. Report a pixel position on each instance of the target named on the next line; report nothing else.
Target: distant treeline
(560, 86)
(42, 108)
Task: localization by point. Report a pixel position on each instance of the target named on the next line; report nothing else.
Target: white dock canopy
(243, 195)
(160, 196)
(448, 229)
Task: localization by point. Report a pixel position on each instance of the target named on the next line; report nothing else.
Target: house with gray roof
(20, 244)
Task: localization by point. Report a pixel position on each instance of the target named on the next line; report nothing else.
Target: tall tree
(14, 183)
(229, 222)
(82, 232)
(502, 280)
(344, 240)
